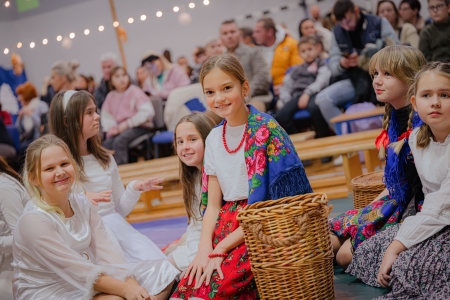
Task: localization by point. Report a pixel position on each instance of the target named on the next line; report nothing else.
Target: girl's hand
(113, 131)
(391, 254)
(148, 184)
(198, 265)
(213, 264)
(95, 198)
(122, 127)
(134, 292)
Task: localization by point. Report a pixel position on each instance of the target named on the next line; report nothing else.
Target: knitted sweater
(435, 42)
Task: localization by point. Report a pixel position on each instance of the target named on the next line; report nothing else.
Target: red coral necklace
(224, 132)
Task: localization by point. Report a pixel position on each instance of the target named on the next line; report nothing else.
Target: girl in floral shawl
(248, 158)
(393, 69)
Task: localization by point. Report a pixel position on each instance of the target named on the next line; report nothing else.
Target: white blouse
(13, 198)
(56, 259)
(230, 168)
(433, 167)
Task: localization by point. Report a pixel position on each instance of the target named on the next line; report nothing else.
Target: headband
(67, 95)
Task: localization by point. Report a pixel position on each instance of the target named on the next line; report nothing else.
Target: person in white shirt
(412, 257)
(13, 199)
(61, 247)
(73, 118)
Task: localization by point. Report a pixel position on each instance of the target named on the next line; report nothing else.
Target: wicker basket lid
(370, 179)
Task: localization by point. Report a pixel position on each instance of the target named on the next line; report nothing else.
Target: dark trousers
(120, 143)
(285, 117)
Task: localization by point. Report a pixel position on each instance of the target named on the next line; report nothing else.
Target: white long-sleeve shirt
(433, 167)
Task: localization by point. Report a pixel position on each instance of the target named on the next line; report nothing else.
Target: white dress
(185, 254)
(136, 246)
(13, 198)
(56, 259)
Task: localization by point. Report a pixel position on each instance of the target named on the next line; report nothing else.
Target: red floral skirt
(238, 280)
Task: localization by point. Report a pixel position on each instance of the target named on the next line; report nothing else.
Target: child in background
(393, 69)
(240, 154)
(189, 143)
(412, 257)
(301, 85)
(73, 118)
(61, 248)
(435, 38)
(127, 113)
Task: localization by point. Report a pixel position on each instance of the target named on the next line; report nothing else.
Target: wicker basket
(366, 188)
(288, 241)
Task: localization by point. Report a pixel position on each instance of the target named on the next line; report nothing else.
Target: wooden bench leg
(352, 167)
(372, 160)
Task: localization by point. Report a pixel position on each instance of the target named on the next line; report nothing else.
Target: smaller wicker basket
(288, 241)
(366, 188)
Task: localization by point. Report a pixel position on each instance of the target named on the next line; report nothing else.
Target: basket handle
(257, 230)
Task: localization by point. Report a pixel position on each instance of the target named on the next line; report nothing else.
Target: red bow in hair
(405, 135)
(382, 140)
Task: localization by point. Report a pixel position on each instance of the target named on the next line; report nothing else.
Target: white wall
(154, 33)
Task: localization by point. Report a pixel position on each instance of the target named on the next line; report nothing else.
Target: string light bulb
(72, 35)
(143, 17)
(19, 45)
(86, 31)
(32, 44)
(130, 20)
(44, 41)
(191, 5)
(7, 3)
(101, 28)
(159, 14)
(206, 2)
(59, 38)
(6, 51)
(116, 24)
(176, 8)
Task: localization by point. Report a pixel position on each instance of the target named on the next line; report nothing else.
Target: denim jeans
(331, 99)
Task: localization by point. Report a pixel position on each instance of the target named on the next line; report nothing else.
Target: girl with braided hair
(392, 69)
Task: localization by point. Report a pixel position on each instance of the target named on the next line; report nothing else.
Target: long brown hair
(32, 171)
(443, 69)
(402, 62)
(5, 168)
(226, 63)
(190, 175)
(68, 125)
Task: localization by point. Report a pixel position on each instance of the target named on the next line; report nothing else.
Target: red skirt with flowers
(238, 280)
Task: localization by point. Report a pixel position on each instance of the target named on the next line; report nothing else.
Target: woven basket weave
(366, 188)
(288, 241)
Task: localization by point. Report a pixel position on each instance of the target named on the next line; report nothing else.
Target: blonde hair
(402, 62)
(32, 170)
(67, 69)
(439, 68)
(226, 63)
(190, 174)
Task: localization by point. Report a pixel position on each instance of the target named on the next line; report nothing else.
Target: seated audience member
(141, 79)
(164, 76)
(435, 37)
(406, 32)
(31, 115)
(307, 27)
(108, 61)
(47, 92)
(167, 55)
(13, 199)
(410, 13)
(214, 47)
(91, 84)
(199, 58)
(5, 116)
(301, 85)
(63, 75)
(319, 21)
(182, 61)
(127, 113)
(247, 36)
(81, 83)
(279, 49)
(252, 60)
(354, 31)
(7, 148)
(61, 247)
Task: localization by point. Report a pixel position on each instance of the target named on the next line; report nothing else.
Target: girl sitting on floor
(127, 114)
(189, 143)
(393, 69)
(240, 154)
(73, 118)
(61, 248)
(412, 257)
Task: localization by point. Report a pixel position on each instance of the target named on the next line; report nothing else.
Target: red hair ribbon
(382, 140)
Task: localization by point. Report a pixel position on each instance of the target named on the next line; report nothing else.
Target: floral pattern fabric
(238, 282)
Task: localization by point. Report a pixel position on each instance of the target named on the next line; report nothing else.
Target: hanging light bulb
(7, 3)
(130, 20)
(59, 38)
(191, 5)
(143, 17)
(6, 51)
(32, 44)
(159, 14)
(176, 8)
(72, 35)
(44, 41)
(206, 2)
(116, 24)
(19, 45)
(101, 28)
(86, 31)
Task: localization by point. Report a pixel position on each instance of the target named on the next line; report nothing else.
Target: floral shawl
(273, 166)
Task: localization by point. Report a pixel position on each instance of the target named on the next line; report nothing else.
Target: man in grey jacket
(252, 60)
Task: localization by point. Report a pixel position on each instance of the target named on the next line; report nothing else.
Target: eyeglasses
(436, 8)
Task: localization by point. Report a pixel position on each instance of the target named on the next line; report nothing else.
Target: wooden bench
(348, 118)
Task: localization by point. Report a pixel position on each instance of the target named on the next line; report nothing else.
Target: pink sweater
(132, 106)
(173, 78)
